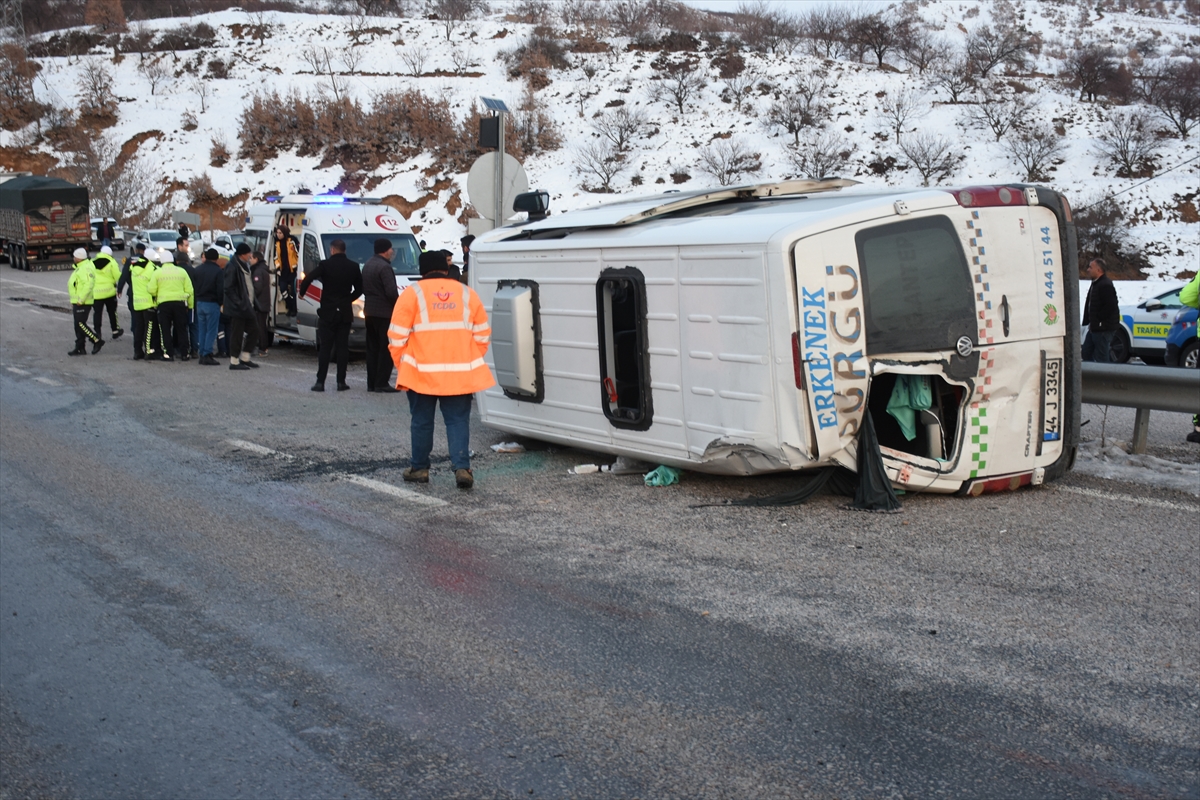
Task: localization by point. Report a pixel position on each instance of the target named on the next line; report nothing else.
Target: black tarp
(32, 192)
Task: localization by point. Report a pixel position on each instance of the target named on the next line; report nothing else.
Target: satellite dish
(481, 184)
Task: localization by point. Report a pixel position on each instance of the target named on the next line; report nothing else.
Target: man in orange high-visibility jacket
(438, 337)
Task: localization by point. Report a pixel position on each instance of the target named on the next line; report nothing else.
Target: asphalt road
(215, 584)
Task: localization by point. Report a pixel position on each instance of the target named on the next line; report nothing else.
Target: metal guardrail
(1143, 388)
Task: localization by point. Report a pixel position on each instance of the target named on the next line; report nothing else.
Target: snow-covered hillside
(664, 154)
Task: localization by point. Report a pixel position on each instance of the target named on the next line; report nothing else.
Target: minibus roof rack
(749, 191)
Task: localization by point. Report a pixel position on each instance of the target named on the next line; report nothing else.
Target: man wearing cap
(141, 304)
(104, 296)
(172, 291)
(438, 337)
(341, 284)
(80, 286)
(239, 307)
(208, 284)
(379, 299)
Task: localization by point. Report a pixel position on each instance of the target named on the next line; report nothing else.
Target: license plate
(1051, 398)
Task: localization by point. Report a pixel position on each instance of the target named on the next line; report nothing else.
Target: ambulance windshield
(361, 246)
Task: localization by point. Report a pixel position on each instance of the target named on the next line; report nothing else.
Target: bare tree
(766, 28)
(823, 29)
(18, 102)
(95, 85)
(988, 48)
(1174, 91)
(120, 187)
(1090, 68)
(998, 113)
(203, 91)
(1033, 149)
(260, 25)
(728, 160)
(903, 107)
(630, 17)
(821, 156)
(351, 57)
(877, 33)
(414, 59)
(922, 50)
(931, 155)
(318, 59)
(738, 86)
(600, 161)
(583, 13)
(957, 78)
(680, 82)
(802, 106)
(620, 126)
(1126, 141)
(453, 13)
(155, 72)
(460, 57)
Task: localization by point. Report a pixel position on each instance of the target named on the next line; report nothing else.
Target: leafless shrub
(218, 69)
(414, 59)
(599, 163)
(531, 130)
(998, 113)
(218, 152)
(930, 154)
(1103, 232)
(95, 86)
(1127, 142)
(351, 57)
(533, 12)
(738, 87)
(630, 17)
(729, 160)
(382, 8)
(155, 72)
(988, 48)
(1034, 149)
(1090, 68)
(825, 154)
(460, 58)
(679, 82)
(620, 126)
(1174, 91)
(902, 107)
(586, 14)
(878, 33)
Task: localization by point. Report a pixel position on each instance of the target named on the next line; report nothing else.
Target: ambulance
(751, 330)
(314, 222)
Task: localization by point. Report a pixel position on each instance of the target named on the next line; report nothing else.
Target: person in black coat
(208, 283)
(1101, 314)
(379, 298)
(239, 307)
(341, 284)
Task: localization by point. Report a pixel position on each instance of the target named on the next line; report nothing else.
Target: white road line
(368, 483)
(260, 450)
(1127, 498)
(33, 286)
(18, 370)
(394, 491)
(48, 381)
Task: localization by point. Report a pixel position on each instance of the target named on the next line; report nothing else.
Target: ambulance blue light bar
(329, 199)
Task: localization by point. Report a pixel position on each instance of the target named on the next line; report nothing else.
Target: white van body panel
(733, 293)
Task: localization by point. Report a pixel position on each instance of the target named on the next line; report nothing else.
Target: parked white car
(165, 238)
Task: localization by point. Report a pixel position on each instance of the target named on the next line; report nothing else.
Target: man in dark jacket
(379, 297)
(208, 281)
(239, 307)
(260, 276)
(1101, 314)
(341, 284)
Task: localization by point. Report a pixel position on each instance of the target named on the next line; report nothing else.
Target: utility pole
(12, 23)
(498, 109)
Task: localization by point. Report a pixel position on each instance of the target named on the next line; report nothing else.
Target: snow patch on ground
(1112, 460)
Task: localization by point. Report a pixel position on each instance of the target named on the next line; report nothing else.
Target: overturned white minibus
(750, 329)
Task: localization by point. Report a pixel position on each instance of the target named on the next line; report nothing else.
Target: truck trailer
(42, 221)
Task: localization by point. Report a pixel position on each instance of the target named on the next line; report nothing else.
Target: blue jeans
(208, 315)
(456, 413)
(1097, 346)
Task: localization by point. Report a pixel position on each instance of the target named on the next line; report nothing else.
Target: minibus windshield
(361, 246)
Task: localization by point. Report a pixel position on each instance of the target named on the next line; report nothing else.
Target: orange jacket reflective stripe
(438, 337)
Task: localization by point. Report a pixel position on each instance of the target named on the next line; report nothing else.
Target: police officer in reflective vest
(172, 291)
(108, 275)
(438, 337)
(80, 286)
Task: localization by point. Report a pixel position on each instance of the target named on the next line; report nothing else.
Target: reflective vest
(82, 283)
(139, 284)
(108, 274)
(438, 337)
(170, 283)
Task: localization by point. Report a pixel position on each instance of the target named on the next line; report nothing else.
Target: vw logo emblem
(965, 346)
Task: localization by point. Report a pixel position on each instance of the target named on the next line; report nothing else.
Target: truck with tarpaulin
(43, 221)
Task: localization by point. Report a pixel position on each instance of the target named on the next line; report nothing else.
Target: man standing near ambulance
(438, 337)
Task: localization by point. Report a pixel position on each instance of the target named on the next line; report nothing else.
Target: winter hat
(166, 256)
(243, 249)
(80, 253)
(106, 250)
(140, 247)
(432, 261)
(211, 254)
(382, 245)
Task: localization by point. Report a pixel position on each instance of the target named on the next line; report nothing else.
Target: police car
(1144, 328)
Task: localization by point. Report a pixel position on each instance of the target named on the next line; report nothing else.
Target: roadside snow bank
(1112, 461)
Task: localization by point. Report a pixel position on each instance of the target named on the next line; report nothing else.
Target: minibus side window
(917, 286)
(624, 360)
